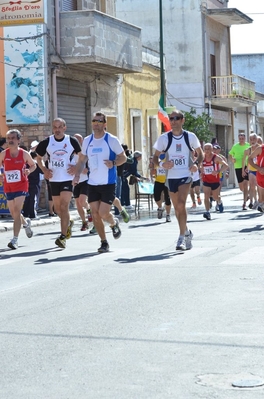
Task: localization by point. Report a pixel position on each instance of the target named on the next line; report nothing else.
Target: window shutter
(68, 5)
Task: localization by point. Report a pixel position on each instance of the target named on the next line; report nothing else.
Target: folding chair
(144, 192)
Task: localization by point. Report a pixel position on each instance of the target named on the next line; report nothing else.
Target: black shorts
(158, 188)
(81, 188)
(196, 183)
(104, 193)
(175, 183)
(239, 176)
(59, 186)
(213, 186)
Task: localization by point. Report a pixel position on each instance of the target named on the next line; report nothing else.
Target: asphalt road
(141, 321)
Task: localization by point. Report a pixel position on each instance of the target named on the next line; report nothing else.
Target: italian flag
(163, 117)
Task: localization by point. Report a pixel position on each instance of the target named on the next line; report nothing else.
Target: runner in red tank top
(256, 159)
(17, 164)
(211, 178)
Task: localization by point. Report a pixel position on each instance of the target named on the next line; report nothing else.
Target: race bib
(208, 170)
(94, 161)
(180, 161)
(57, 164)
(161, 172)
(13, 176)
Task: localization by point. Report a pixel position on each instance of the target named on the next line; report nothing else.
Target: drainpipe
(230, 68)
(54, 71)
(54, 93)
(57, 25)
(247, 114)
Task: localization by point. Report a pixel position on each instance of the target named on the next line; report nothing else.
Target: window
(68, 5)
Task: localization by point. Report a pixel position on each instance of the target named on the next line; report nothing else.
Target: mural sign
(25, 75)
(21, 12)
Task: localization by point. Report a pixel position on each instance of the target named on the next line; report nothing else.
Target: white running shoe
(28, 229)
(255, 205)
(188, 240)
(168, 218)
(181, 244)
(13, 244)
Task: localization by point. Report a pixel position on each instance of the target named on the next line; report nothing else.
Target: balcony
(231, 91)
(94, 41)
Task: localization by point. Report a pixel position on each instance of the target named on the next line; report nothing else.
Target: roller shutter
(72, 105)
(68, 5)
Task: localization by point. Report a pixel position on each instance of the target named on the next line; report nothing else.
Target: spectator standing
(131, 170)
(3, 144)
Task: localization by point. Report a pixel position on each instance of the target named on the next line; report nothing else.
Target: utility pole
(162, 79)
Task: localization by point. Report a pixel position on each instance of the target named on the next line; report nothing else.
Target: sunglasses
(175, 118)
(98, 121)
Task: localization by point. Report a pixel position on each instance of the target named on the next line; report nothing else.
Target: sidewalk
(6, 222)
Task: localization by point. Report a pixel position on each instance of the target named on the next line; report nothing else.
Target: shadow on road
(149, 258)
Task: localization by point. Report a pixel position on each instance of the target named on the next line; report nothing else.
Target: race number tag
(13, 176)
(94, 161)
(180, 161)
(161, 172)
(57, 164)
(208, 170)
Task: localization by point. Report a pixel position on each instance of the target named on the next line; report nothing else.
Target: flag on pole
(163, 117)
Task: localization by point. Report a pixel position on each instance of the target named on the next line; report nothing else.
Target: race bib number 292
(13, 176)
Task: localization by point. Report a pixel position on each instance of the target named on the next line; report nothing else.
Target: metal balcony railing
(232, 86)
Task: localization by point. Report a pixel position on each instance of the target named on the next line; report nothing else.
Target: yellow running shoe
(69, 230)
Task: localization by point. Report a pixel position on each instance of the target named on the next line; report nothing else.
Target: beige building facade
(196, 45)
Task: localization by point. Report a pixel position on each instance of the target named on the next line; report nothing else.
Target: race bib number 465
(13, 176)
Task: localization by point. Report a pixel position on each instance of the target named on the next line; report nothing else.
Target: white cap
(34, 144)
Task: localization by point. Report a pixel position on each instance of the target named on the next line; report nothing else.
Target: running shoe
(181, 244)
(188, 240)
(93, 230)
(84, 226)
(168, 218)
(160, 213)
(125, 215)
(244, 208)
(260, 207)
(61, 241)
(69, 230)
(116, 229)
(129, 207)
(28, 229)
(199, 201)
(221, 207)
(89, 215)
(255, 205)
(104, 247)
(207, 215)
(193, 206)
(13, 244)
(217, 208)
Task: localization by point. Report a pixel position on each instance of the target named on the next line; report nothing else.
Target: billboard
(25, 75)
(21, 12)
